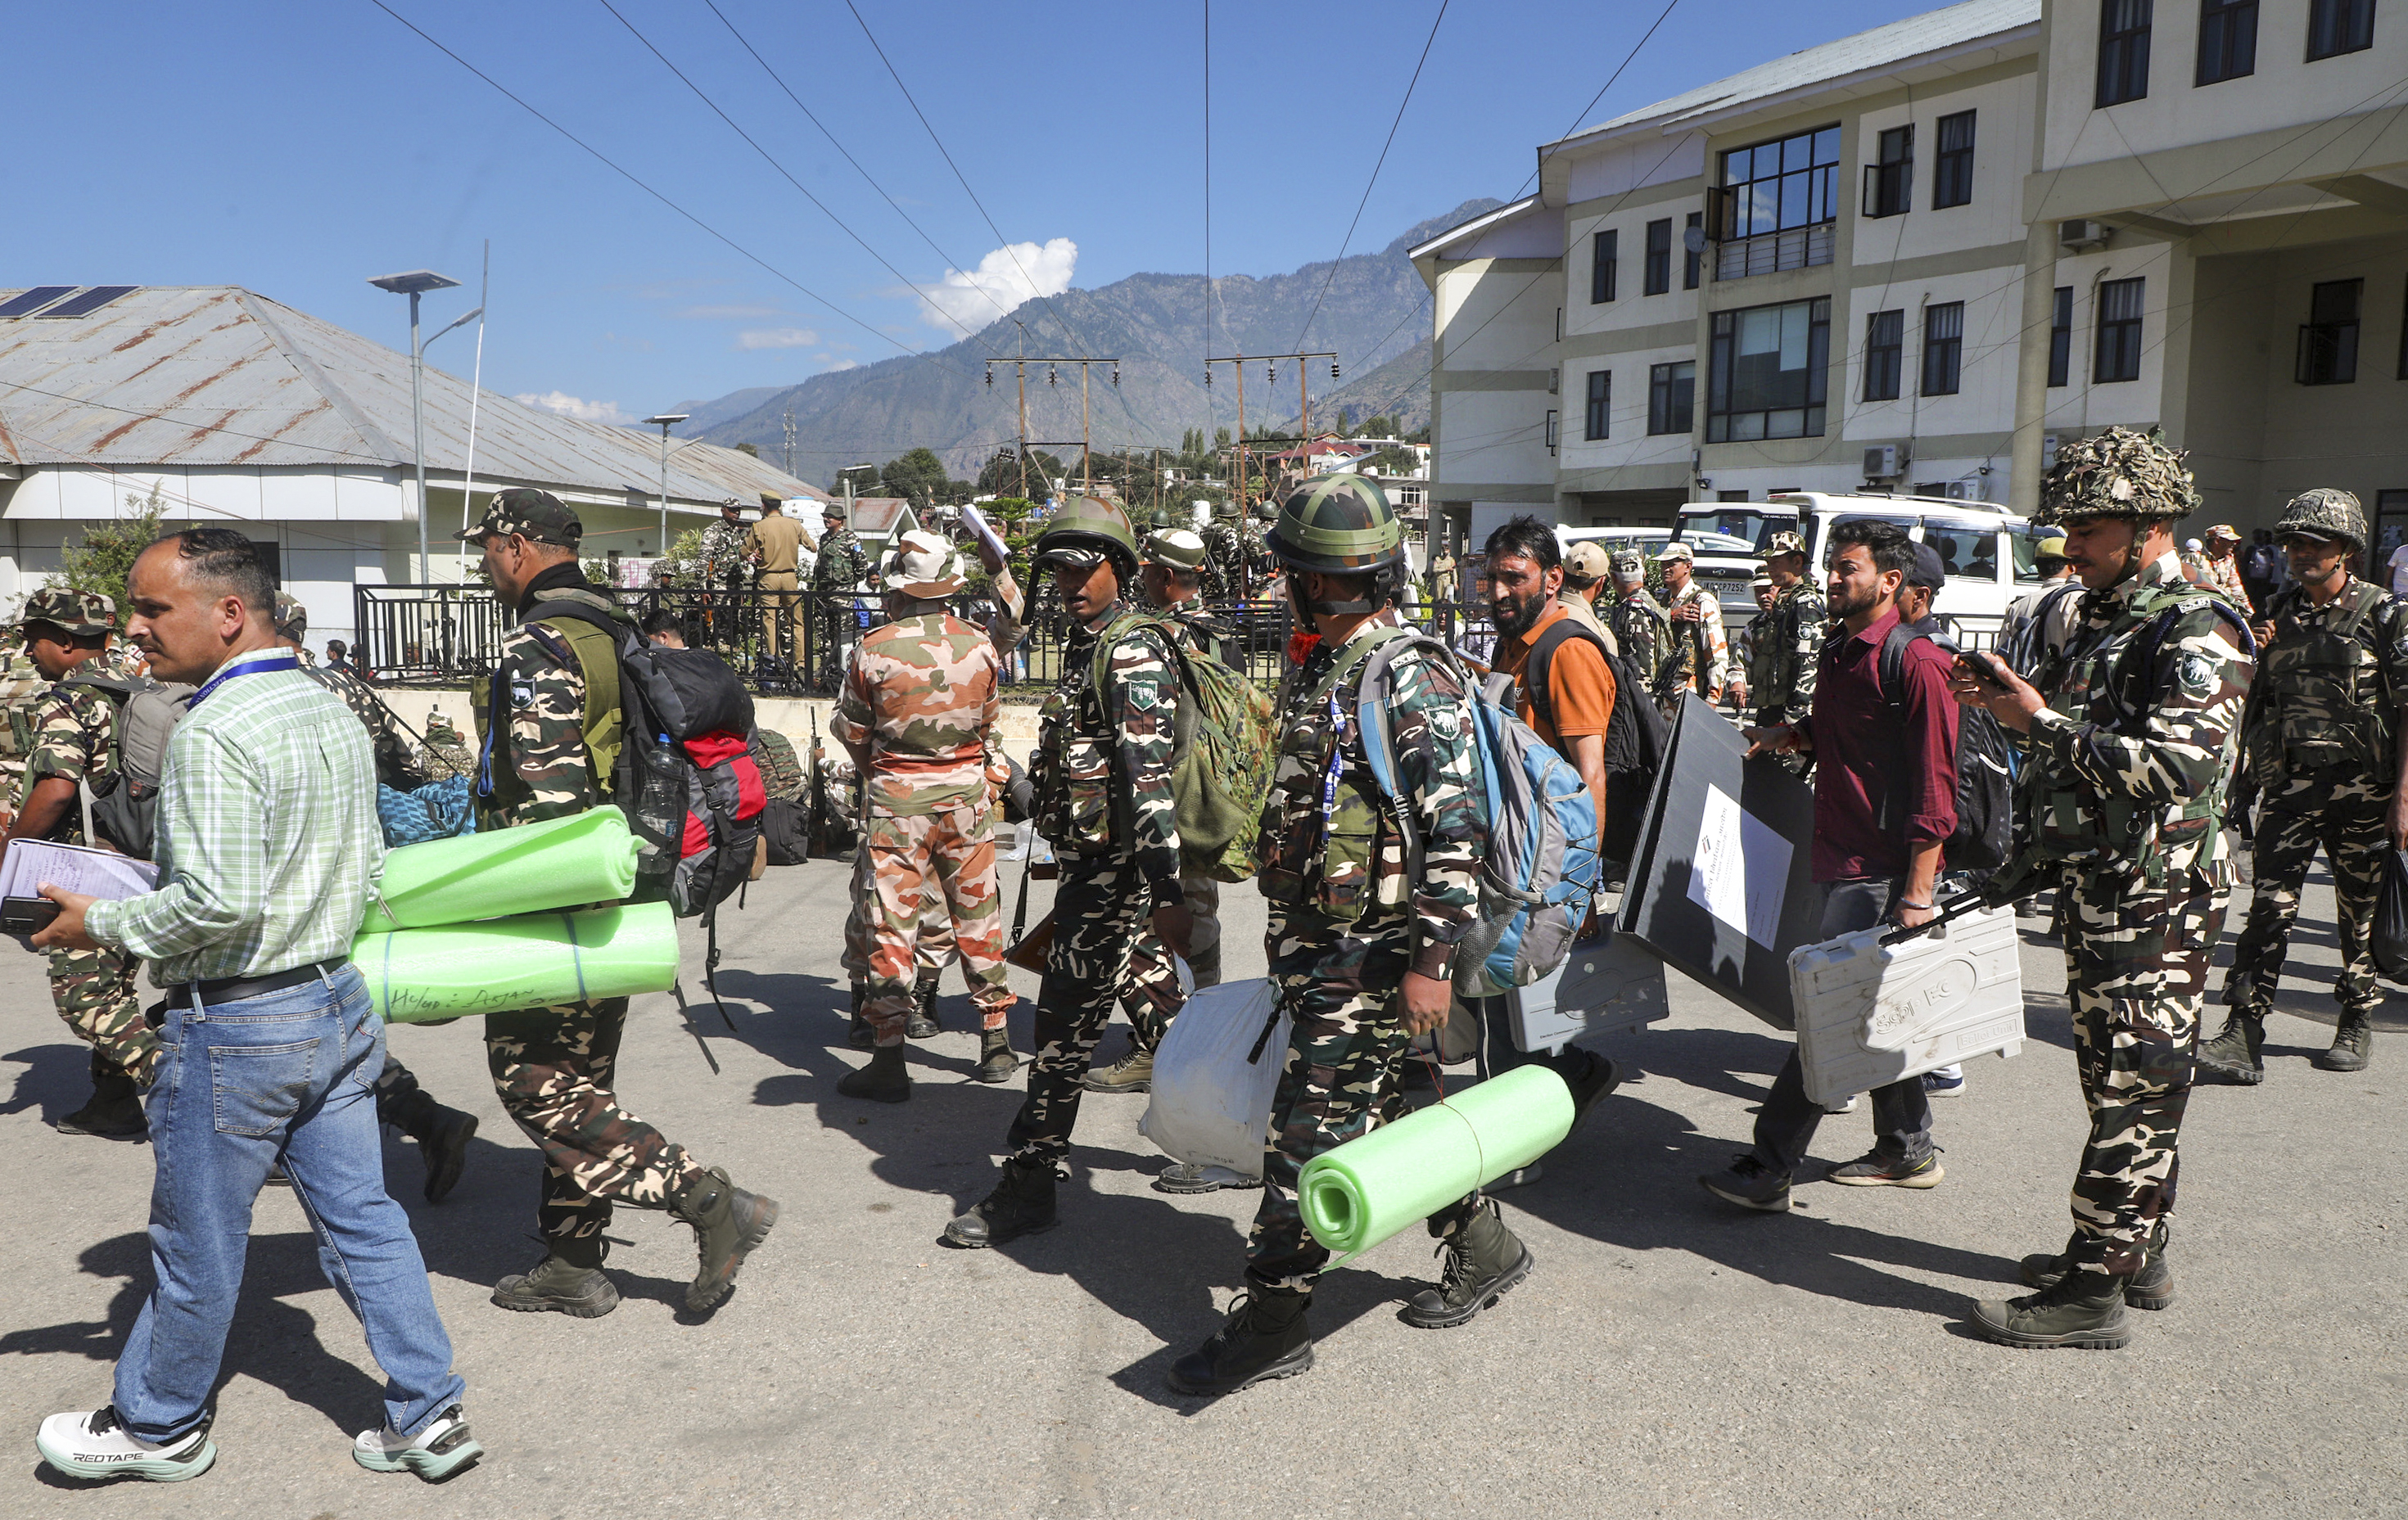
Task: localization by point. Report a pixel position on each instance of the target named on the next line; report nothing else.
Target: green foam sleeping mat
(1398, 1174)
(534, 960)
(585, 858)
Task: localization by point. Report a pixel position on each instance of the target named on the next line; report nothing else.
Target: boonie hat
(922, 564)
(833, 509)
(1676, 550)
(1178, 547)
(1784, 542)
(536, 516)
(292, 618)
(1587, 562)
(70, 611)
(1630, 562)
(1929, 572)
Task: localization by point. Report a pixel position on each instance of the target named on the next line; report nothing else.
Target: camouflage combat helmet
(2122, 473)
(1338, 524)
(2326, 512)
(1083, 531)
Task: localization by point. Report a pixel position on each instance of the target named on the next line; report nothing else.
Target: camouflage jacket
(1699, 656)
(2135, 751)
(1785, 650)
(396, 763)
(1330, 848)
(922, 695)
(75, 737)
(21, 683)
(444, 753)
(531, 711)
(1644, 630)
(723, 551)
(1101, 768)
(1235, 563)
(2329, 685)
(841, 563)
(1197, 631)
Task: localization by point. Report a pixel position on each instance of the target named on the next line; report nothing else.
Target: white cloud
(1003, 279)
(565, 405)
(707, 314)
(777, 337)
(837, 364)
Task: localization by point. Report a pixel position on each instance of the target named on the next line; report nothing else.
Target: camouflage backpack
(1224, 739)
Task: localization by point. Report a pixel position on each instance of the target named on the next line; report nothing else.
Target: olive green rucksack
(1223, 749)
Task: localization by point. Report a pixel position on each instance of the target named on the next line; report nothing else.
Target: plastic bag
(1215, 1074)
(2390, 937)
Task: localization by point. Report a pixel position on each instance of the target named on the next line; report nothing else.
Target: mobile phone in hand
(26, 917)
(1979, 667)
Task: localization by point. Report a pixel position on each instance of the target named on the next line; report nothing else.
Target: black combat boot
(996, 1060)
(1484, 1260)
(884, 1080)
(442, 1135)
(115, 1112)
(1265, 1336)
(861, 1036)
(729, 1223)
(570, 1280)
(2237, 1054)
(921, 1023)
(2084, 1310)
(1021, 1205)
(2353, 1042)
(2151, 1288)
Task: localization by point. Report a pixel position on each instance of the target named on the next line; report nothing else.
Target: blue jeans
(286, 1076)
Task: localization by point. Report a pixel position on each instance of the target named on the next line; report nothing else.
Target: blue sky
(297, 146)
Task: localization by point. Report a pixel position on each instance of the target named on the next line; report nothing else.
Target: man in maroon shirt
(1884, 804)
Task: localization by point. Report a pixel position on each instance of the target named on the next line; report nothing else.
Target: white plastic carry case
(1870, 1014)
(1614, 983)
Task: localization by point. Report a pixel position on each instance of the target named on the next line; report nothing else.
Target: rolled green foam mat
(1399, 1174)
(534, 960)
(569, 862)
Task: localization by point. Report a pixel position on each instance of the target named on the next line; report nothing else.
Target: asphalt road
(1670, 1355)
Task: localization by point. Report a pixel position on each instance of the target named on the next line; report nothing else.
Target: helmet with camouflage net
(1338, 524)
(1084, 530)
(2326, 512)
(2122, 473)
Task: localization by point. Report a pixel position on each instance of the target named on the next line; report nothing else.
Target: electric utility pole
(1020, 364)
(1303, 398)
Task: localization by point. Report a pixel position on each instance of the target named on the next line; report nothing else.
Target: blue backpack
(1541, 866)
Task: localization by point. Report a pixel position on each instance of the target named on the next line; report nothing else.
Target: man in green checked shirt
(268, 1049)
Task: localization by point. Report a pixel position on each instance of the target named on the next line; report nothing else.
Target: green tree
(105, 557)
(754, 449)
(919, 475)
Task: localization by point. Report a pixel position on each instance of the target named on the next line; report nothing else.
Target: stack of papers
(74, 868)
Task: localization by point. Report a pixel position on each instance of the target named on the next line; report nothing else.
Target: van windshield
(1738, 525)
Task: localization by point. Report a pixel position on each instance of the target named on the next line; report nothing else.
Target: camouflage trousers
(2136, 963)
(552, 1070)
(1340, 986)
(934, 871)
(1100, 951)
(2350, 819)
(1151, 997)
(93, 991)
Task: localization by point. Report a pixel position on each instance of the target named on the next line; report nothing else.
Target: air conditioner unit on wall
(2082, 234)
(1881, 462)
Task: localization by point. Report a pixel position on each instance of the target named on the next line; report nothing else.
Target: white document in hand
(1740, 869)
(74, 868)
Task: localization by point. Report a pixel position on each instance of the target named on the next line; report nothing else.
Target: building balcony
(1795, 248)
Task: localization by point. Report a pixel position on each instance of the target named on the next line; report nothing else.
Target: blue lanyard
(1336, 760)
(246, 667)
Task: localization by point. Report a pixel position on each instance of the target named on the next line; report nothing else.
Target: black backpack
(1636, 736)
(1986, 766)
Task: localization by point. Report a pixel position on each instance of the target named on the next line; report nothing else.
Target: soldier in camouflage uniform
(1638, 619)
(1698, 659)
(1363, 953)
(1234, 561)
(549, 701)
(445, 752)
(2324, 736)
(840, 566)
(73, 745)
(920, 698)
(20, 682)
(2130, 736)
(1101, 773)
(1788, 643)
(724, 563)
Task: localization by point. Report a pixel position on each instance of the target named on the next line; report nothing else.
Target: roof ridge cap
(374, 436)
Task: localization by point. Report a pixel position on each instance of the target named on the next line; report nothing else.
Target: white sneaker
(440, 1449)
(1847, 1107)
(92, 1444)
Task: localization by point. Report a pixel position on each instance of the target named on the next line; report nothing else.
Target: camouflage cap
(1586, 563)
(536, 516)
(923, 563)
(70, 611)
(292, 617)
(1761, 581)
(2122, 473)
(1630, 564)
(2225, 531)
(1177, 547)
(1676, 550)
(1785, 542)
(2326, 512)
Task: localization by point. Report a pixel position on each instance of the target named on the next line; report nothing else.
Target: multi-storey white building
(1920, 254)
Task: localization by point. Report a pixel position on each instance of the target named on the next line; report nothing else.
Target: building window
(1952, 171)
(1658, 276)
(1691, 257)
(1671, 394)
(2123, 51)
(1603, 260)
(2060, 336)
(2329, 339)
(1889, 184)
(2339, 26)
(1776, 205)
(1943, 347)
(1884, 348)
(2228, 40)
(1767, 373)
(1600, 398)
(2118, 355)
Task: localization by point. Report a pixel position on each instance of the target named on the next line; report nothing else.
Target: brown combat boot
(2353, 1042)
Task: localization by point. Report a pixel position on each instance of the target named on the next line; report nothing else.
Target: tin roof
(220, 375)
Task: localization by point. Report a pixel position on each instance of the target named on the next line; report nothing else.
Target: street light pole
(414, 284)
(664, 421)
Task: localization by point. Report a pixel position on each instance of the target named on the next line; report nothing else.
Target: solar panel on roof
(91, 301)
(33, 300)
